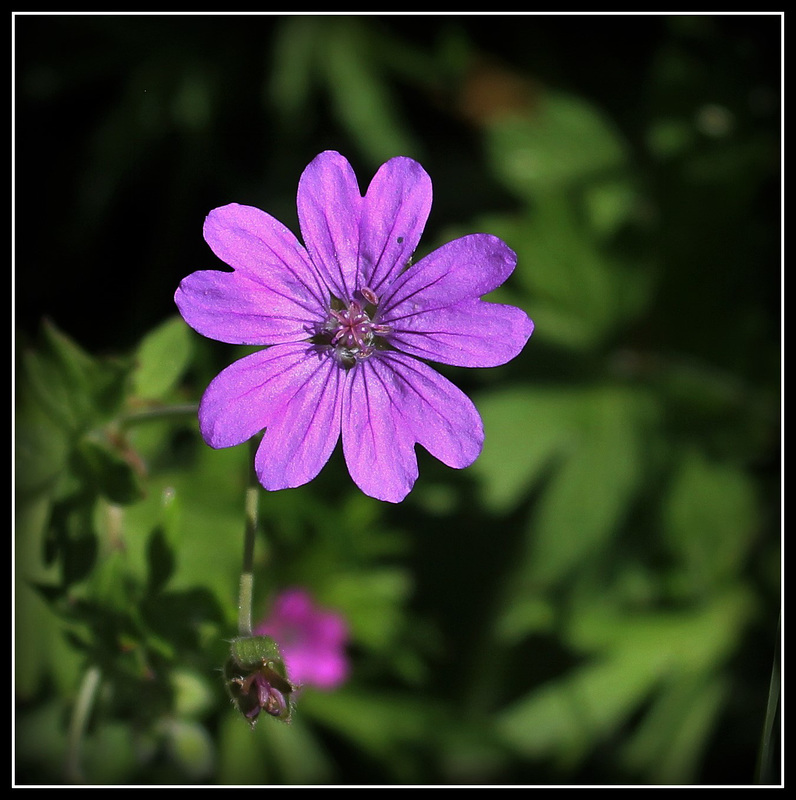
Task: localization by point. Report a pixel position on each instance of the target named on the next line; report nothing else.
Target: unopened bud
(256, 679)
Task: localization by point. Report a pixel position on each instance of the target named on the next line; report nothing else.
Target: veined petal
(393, 401)
(394, 214)
(472, 333)
(299, 440)
(377, 443)
(329, 207)
(232, 307)
(463, 269)
(255, 243)
(290, 384)
(438, 415)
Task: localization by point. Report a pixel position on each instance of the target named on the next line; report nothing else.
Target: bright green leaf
(161, 359)
(710, 518)
(361, 96)
(588, 495)
(669, 744)
(631, 657)
(525, 429)
(562, 142)
(191, 748)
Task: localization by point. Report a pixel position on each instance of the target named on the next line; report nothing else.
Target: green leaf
(373, 602)
(669, 744)
(589, 494)
(274, 754)
(360, 94)
(564, 141)
(384, 726)
(180, 618)
(190, 748)
(296, 46)
(193, 693)
(588, 443)
(76, 387)
(107, 471)
(577, 290)
(41, 446)
(630, 658)
(710, 519)
(161, 359)
(525, 429)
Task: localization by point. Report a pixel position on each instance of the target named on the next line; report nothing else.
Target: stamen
(351, 330)
(369, 295)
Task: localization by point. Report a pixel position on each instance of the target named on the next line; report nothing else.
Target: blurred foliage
(596, 599)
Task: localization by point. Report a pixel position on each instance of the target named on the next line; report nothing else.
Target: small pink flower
(312, 640)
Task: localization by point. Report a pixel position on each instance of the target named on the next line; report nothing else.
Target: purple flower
(312, 641)
(346, 319)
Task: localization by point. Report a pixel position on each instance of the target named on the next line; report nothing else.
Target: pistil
(352, 331)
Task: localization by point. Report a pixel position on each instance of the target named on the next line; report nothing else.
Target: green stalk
(79, 721)
(766, 755)
(245, 594)
(156, 413)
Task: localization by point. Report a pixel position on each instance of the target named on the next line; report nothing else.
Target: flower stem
(156, 413)
(77, 725)
(247, 570)
(766, 755)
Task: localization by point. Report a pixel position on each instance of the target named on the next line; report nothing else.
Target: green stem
(247, 570)
(77, 725)
(156, 413)
(766, 754)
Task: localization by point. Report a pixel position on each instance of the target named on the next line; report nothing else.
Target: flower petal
(394, 213)
(463, 269)
(472, 333)
(232, 307)
(378, 448)
(329, 208)
(290, 390)
(438, 415)
(299, 440)
(393, 401)
(255, 243)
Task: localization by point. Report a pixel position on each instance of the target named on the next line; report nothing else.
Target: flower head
(346, 320)
(256, 679)
(312, 640)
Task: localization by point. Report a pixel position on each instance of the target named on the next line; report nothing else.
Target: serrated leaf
(41, 447)
(76, 390)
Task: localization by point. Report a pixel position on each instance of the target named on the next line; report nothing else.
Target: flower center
(350, 329)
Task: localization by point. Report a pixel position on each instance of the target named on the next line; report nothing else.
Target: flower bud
(256, 679)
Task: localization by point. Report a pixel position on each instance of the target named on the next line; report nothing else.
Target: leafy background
(596, 600)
